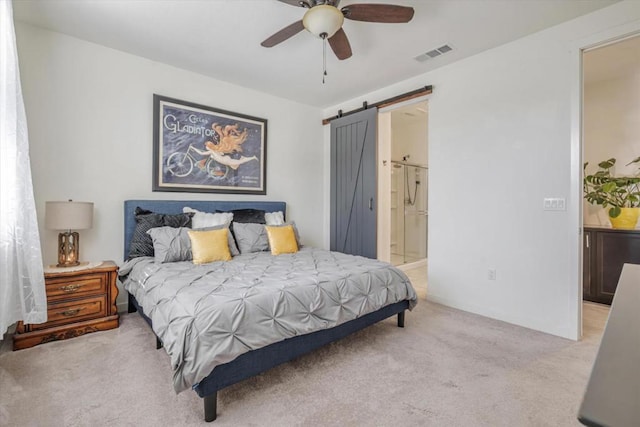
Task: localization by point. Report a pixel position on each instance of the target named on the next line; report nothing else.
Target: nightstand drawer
(79, 301)
(76, 287)
(74, 311)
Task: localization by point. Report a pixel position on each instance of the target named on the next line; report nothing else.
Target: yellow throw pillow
(282, 240)
(209, 246)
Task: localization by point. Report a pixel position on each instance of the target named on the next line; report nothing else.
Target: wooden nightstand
(78, 302)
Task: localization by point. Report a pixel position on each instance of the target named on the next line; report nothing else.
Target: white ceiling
(221, 38)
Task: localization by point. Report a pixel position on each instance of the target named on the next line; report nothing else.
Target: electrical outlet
(491, 274)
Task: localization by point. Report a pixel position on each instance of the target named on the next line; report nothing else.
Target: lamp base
(68, 248)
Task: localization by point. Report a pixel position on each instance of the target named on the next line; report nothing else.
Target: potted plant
(620, 193)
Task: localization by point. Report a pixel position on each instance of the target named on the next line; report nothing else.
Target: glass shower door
(415, 213)
(409, 213)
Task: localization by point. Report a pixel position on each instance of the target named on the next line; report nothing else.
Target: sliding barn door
(354, 183)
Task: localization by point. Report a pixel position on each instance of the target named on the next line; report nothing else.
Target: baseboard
(529, 323)
(412, 265)
(122, 307)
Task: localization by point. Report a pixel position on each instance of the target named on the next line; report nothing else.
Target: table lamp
(68, 216)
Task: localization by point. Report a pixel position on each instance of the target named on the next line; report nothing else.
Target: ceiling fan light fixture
(323, 20)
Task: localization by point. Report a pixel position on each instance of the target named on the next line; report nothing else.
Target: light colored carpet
(446, 368)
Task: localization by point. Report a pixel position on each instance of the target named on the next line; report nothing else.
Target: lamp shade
(68, 215)
(323, 19)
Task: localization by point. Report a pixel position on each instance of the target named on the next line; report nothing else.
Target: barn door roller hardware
(426, 90)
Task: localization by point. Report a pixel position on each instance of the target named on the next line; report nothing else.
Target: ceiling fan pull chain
(324, 57)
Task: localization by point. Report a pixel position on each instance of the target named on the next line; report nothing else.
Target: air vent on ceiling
(433, 53)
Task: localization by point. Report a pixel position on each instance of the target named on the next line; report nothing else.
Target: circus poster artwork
(202, 149)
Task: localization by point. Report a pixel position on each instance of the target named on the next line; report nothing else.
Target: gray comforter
(207, 315)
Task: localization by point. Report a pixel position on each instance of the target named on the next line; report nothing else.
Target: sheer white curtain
(22, 292)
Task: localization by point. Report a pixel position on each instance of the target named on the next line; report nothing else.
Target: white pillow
(274, 218)
(206, 219)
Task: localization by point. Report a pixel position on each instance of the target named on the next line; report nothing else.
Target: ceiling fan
(324, 19)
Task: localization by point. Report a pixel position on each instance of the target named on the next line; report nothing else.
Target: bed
(226, 321)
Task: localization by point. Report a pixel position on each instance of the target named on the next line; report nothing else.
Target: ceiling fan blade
(387, 13)
(340, 44)
(284, 34)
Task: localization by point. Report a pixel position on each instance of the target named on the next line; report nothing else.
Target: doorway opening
(583, 257)
(409, 184)
(403, 182)
(611, 134)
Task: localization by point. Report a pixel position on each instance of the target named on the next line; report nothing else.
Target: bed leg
(210, 407)
(158, 343)
(401, 319)
(130, 307)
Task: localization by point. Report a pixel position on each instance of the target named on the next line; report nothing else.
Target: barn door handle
(371, 204)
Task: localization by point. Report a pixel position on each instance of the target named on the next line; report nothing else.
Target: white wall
(499, 142)
(611, 129)
(89, 111)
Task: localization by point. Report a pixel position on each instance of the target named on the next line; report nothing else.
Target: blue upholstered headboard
(175, 207)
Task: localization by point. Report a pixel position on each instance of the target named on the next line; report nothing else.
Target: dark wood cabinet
(78, 302)
(605, 252)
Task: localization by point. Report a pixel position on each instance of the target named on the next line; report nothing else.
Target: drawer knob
(70, 288)
(71, 312)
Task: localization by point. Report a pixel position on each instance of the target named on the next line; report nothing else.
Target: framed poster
(202, 149)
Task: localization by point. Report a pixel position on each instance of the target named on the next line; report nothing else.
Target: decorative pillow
(232, 243)
(251, 237)
(174, 244)
(282, 240)
(141, 243)
(170, 244)
(205, 219)
(255, 216)
(274, 218)
(295, 231)
(209, 246)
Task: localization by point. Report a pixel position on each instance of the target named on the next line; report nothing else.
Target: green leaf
(636, 160)
(614, 212)
(607, 164)
(601, 188)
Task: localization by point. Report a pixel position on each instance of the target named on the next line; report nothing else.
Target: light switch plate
(555, 204)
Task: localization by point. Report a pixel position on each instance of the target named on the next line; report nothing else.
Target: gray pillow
(251, 237)
(141, 243)
(173, 244)
(170, 244)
